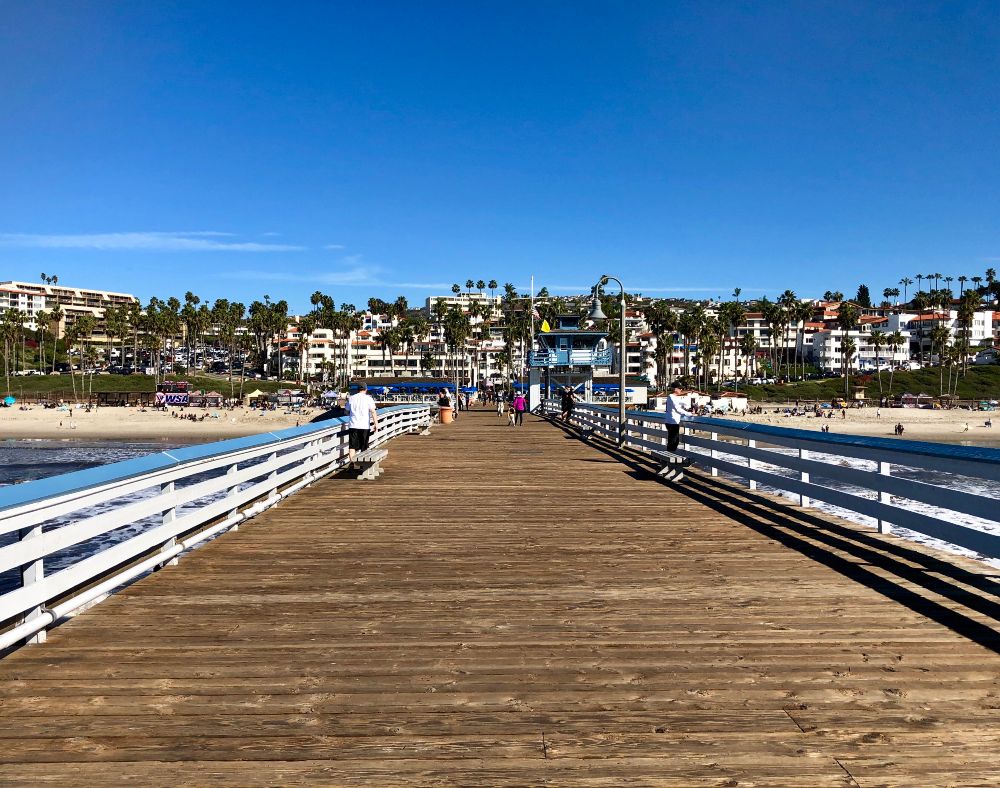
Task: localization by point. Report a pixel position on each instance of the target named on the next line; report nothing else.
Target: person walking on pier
(568, 398)
(677, 409)
(518, 407)
(363, 414)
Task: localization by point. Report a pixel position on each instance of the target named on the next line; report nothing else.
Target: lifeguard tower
(567, 355)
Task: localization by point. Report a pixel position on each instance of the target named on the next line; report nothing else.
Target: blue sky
(386, 148)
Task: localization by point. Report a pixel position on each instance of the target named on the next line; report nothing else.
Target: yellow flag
(546, 327)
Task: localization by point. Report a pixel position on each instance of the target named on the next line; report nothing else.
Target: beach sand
(946, 426)
(125, 424)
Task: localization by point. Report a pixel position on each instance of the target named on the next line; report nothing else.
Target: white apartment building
(73, 302)
(463, 301)
(827, 350)
(920, 327)
(26, 301)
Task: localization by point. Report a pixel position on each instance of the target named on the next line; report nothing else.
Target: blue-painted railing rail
(127, 518)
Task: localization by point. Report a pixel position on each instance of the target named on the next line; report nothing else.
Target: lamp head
(596, 313)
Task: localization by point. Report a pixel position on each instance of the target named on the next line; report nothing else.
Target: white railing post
(884, 469)
(272, 492)
(233, 489)
(804, 478)
(31, 573)
(715, 452)
(169, 515)
(751, 444)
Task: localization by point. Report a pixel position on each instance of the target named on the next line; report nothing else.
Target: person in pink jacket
(519, 406)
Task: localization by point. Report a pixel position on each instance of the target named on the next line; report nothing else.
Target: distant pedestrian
(519, 406)
(501, 406)
(363, 415)
(568, 399)
(676, 411)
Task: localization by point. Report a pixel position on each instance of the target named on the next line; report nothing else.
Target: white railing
(102, 527)
(757, 453)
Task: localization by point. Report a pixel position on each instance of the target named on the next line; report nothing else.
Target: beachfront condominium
(22, 300)
(490, 305)
(72, 302)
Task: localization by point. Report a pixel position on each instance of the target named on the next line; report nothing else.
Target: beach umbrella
(9, 400)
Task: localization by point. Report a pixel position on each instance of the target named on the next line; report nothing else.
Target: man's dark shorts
(358, 439)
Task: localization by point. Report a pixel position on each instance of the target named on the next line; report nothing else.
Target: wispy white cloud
(350, 271)
(444, 288)
(203, 241)
(335, 247)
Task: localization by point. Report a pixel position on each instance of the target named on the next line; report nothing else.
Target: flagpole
(532, 312)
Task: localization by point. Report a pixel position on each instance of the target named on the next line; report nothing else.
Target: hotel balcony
(569, 358)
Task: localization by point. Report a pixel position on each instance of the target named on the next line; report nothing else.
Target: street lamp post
(596, 313)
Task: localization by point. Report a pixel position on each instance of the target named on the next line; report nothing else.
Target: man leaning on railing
(677, 410)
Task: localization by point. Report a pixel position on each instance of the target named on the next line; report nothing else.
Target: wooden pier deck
(512, 606)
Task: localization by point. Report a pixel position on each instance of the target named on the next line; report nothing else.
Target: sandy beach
(124, 424)
(947, 426)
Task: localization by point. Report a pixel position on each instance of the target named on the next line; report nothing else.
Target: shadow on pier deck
(511, 606)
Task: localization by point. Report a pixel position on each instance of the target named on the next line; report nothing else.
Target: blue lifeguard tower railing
(567, 355)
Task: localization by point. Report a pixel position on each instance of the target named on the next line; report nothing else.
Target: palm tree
(748, 348)
(848, 318)
(55, 316)
(307, 325)
(895, 341)
(480, 286)
(961, 285)
(802, 313)
(920, 279)
(469, 284)
(492, 285)
(939, 340)
(662, 323)
(456, 289)
(905, 282)
(877, 340)
(847, 349)
(730, 316)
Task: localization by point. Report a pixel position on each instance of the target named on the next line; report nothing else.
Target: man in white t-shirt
(677, 409)
(363, 415)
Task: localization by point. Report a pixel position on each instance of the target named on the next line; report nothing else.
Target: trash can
(447, 414)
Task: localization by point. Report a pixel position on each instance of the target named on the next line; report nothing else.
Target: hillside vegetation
(61, 385)
(981, 382)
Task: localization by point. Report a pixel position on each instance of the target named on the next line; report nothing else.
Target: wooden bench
(370, 461)
(673, 466)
